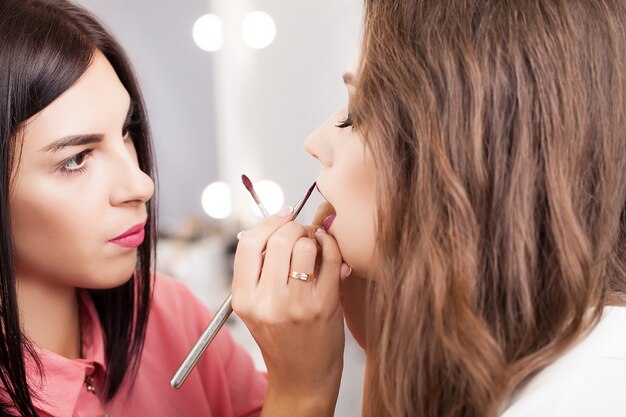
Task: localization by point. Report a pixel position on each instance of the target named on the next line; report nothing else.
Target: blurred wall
(218, 115)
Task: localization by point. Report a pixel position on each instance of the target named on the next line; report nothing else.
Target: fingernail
(345, 271)
(318, 235)
(240, 235)
(285, 211)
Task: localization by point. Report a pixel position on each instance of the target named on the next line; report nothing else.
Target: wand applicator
(226, 308)
(248, 184)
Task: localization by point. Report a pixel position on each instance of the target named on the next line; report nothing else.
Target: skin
(67, 204)
(347, 181)
(299, 325)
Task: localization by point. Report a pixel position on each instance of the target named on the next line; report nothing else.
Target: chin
(113, 278)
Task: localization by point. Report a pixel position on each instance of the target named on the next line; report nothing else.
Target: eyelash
(75, 171)
(347, 122)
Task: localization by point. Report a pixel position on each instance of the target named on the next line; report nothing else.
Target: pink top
(224, 383)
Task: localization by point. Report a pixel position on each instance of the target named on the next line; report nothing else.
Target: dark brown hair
(499, 134)
(45, 47)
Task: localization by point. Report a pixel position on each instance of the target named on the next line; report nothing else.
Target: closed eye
(347, 122)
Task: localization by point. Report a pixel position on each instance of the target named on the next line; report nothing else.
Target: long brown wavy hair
(499, 134)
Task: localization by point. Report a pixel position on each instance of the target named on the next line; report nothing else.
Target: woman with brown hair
(477, 188)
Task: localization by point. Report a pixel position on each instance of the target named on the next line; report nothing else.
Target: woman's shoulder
(588, 380)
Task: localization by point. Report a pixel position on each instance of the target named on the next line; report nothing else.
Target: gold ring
(301, 276)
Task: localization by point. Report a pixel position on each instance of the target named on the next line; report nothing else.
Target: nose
(318, 145)
(132, 185)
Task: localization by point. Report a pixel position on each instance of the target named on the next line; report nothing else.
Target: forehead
(89, 106)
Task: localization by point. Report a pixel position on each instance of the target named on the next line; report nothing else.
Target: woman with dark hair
(476, 186)
(87, 329)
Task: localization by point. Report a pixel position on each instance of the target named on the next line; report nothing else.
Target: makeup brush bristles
(248, 184)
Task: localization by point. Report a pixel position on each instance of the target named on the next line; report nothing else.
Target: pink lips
(328, 221)
(131, 238)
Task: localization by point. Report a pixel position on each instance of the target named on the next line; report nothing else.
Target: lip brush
(225, 309)
(248, 184)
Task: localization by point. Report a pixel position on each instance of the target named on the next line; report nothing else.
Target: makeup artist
(88, 329)
(476, 191)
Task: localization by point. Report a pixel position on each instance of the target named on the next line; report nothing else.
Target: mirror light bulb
(216, 201)
(271, 196)
(258, 30)
(207, 32)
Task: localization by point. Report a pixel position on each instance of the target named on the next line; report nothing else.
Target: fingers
(288, 246)
(303, 260)
(330, 267)
(249, 255)
(278, 255)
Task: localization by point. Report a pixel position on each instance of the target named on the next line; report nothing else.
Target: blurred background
(234, 87)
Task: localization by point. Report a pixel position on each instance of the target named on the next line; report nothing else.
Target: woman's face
(77, 187)
(347, 181)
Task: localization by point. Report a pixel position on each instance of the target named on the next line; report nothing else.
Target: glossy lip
(131, 238)
(328, 221)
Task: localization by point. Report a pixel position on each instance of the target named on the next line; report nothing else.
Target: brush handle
(263, 210)
(196, 352)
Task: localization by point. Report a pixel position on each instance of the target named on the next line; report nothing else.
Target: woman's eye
(347, 122)
(76, 163)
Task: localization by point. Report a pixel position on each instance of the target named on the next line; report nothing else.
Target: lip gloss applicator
(248, 184)
(225, 309)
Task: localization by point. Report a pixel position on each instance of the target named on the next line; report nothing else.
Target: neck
(49, 316)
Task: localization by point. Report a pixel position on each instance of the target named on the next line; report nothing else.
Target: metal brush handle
(196, 352)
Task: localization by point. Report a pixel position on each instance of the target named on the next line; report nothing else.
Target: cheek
(356, 215)
(48, 230)
(47, 208)
(60, 237)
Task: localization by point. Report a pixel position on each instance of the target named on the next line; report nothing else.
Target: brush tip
(246, 181)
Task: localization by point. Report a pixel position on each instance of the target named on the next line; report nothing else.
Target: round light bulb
(258, 29)
(216, 200)
(207, 32)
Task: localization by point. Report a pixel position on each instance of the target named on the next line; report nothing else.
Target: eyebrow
(74, 140)
(80, 140)
(348, 78)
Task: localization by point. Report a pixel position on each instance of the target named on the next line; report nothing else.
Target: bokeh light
(271, 196)
(216, 200)
(258, 29)
(207, 33)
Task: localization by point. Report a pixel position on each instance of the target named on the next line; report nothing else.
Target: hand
(298, 325)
